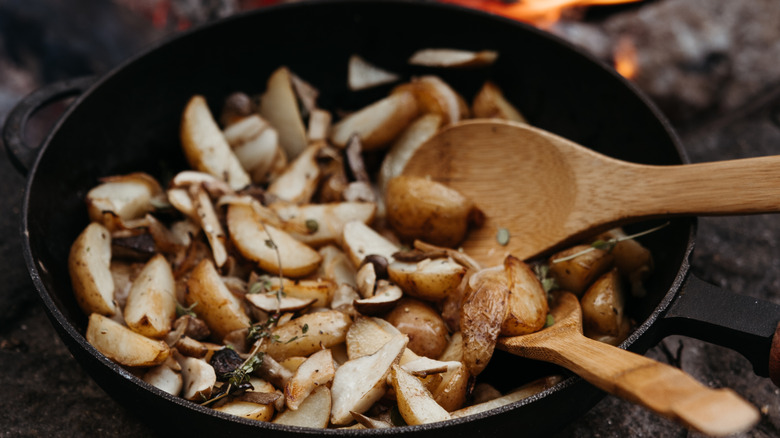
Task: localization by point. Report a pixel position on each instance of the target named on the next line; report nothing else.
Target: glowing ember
(541, 13)
(626, 62)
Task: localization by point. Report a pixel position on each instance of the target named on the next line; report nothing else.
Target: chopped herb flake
(312, 225)
(502, 236)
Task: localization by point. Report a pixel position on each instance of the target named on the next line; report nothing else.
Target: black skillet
(128, 120)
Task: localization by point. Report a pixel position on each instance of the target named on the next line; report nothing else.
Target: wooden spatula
(547, 191)
(661, 388)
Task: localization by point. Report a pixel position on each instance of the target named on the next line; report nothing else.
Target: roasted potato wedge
(126, 196)
(423, 325)
(429, 279)
(379, 123)
(89, 265)
(213, 302)
(322, 330)
(317, 370)
(418, 132)
(442, 57)
(362, 75)
(527, 301)
(314, 411)
(418, 208)
(359, 240)
(298, 182)
(256, 145)
(490, 103)
(415, 403)
(151, 303)
(577, 273)
(484, 311)
(603, 309)
(272, 249)
(206, 148)
(325, 222)
(279, 105)
(123, 345)
(433, 95)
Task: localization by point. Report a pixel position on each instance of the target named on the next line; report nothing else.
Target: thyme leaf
(608, 245)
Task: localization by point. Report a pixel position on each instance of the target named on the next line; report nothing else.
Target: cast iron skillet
(128, 120)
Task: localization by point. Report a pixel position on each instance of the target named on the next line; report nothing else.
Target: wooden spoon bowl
(661, 388)
(548, 192)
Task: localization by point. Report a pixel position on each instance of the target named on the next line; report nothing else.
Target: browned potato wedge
(484, 310)
(436, 96)
(360, 382)
(418, 208)
(270, 303)
(453, 58)
(206, 217)
(325, 222)
(362, 75)
(318, 290)
(123, 345)
(279, 105)
(266, 245)
(151, 304)
(336, 266)
(418, 132)
(576, 274)
(360, 240)
(320, 122)
(490, 103)
(633, 260)
(366, 336)
(603, 310)
(199, 378)
(423, 324)
(314, 412)
(527, 301)
(451, 392)
(206, 148)
(317, 370)
(127, 196)
(379, 123)
(415, 403)
(427, 279)
(323, 330)
(521, 393)
(298, 182)
(213, 302)
(89, 265)
(256, 145)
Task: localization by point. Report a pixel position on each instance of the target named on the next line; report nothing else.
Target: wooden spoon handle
(661, 388)
(750, 185)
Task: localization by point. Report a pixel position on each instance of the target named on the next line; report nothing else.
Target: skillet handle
(741, 323)
(22, 155)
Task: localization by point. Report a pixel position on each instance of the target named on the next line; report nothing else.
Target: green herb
(312, 225)
(608, 245)
(543, 274)
(270, 243)
(241, 375)
(262, 285)
(549, 321)
(305, 328)
(185, 311)
(502, 236)
(262, 330)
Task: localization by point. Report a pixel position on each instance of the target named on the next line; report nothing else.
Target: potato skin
(89, 263)
(575, 275)
(418, 208)
(221, 311)
(603, 309)
(426, 329)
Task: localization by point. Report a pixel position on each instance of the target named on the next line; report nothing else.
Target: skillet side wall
(129, 122)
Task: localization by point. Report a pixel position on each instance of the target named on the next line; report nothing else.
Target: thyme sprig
(607, 245)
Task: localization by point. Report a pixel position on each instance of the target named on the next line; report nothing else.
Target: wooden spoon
(548, 191)
(661, 388)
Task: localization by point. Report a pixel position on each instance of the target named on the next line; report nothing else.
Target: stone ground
(47, 394)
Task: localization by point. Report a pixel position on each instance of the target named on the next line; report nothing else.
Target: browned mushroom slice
(213, 185)
(272, 303)
(385, 298)
(443, 57)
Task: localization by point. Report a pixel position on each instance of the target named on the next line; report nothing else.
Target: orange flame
(541, 13)
(625, 58)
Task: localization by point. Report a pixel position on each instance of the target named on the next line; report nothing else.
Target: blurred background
(711, 66)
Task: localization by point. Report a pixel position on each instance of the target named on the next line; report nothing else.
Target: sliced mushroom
(271, 303)
(385, 298)
(360, 382)
(433, 95)
(206, 217)
(199, 378)
(164, 377)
